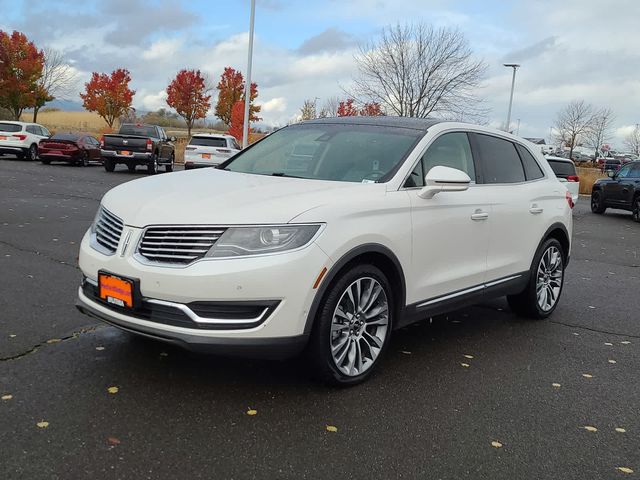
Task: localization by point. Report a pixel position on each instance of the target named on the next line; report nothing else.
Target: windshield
(345, 153)
(208, 142)
(140, 130)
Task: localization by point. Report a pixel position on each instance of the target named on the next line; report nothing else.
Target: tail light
(573, 178)
(569, 200)
(22, 137)
(102, 141)
(149, 145)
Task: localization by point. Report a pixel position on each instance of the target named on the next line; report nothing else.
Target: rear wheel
(353, 326)
(597, 202)
(109, 165)
(32, 153)
(152, 166)
(84, 158)
(635, 212)
(169, 166)
(546, 279)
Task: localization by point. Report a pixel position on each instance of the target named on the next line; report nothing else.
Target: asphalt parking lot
(448, 388)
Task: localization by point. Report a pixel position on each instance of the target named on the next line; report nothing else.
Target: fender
(555, 226)
(346, 258)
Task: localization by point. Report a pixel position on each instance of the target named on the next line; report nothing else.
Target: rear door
(515, 186)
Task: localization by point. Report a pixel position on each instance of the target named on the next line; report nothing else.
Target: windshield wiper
(282, 174)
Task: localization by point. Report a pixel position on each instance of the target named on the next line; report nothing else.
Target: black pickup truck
(621, 190)
(137, 144)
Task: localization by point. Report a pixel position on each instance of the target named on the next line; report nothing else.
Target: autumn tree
(346, 108)
(308, 110)
(56, 80)
(371, 109)
(230, 91)
(237, 121)
(416, 70)
(187, 95)
(21, 65)
(574, 122)
(108, 95)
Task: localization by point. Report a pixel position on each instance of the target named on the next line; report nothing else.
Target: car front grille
(108, 230)
(178, 245)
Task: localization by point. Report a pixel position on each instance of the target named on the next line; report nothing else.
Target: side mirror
(444, 179)
(172, 139)
(611, 173)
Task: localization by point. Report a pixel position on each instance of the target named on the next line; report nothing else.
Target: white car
(388, 221)
(21, 138)
(565, 170)
(209, 150)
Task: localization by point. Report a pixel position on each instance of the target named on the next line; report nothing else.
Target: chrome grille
(108, 230)
(178, 244)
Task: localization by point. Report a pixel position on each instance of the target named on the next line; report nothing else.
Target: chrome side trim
(207, 321)
(451, 295)
(502, 280)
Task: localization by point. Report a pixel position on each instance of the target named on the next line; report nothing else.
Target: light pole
(247, 85)
(515, 66)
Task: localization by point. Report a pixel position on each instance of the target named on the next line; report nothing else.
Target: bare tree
(574, 123)
(308, 110)
(56, 81)
(330, 107)
(418, 70)
(632, 141)
(600, 129)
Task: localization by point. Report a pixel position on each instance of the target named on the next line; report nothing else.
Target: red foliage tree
(230, 91)
(108, 95)
(186, 94)
(347, 108)
(21, 66)
(237, 121)
(371, 110)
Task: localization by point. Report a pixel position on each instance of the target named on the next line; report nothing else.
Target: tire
(169, 166)
(109, 164)
(635, 209)
(344, 349)
(32, 153)
(84, 159)
(597, 202)
(45, 161)
(132, 167)
(546, 275)
(152, 166)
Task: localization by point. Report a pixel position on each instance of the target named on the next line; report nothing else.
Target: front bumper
(283, 280)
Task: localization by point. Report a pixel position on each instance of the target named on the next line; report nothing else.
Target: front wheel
(546, 279)
(597, 202)
(84, 159)
(353, 326)
(635, 212)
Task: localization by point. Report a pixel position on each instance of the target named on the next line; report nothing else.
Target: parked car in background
(74, 148)
(565, 170)
(620, 190)
(376, 223)
(611, 165)
(21, 138)
(209, 150)
(579, 157)
(138, 144)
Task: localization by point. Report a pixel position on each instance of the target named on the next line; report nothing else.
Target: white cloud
(152, 101)
(163, 49)
(275, 105)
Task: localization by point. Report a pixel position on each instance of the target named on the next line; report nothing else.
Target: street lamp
(515, 66)
(247, 85)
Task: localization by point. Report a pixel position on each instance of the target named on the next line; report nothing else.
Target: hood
(218, 197)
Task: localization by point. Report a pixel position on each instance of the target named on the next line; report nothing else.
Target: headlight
(243, 241)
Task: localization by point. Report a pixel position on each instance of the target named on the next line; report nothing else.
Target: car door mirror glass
(611, 173)
(444, 179)
(172, 139)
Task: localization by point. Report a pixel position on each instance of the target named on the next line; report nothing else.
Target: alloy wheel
(549, 278)
(33, 153)
(636, 209)
(595, 202)
(359, 326)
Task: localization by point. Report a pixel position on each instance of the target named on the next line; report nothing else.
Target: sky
(574, 49)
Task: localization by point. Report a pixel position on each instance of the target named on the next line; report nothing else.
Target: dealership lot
(447, 390)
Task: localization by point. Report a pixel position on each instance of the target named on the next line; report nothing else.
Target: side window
(449, 150)
(235, 144)
(635, 171)
(45, 132)
(500, 160)
(531, 168)
(624, 171)
(31, 129)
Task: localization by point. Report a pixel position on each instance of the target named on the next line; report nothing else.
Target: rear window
(562, 169)
(140, 130)
(10, 127)
(208, 142)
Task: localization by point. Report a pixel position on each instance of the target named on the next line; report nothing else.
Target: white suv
(386, 222)
(21, 139)
(209, 150)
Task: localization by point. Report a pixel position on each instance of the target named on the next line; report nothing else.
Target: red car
(74, 148)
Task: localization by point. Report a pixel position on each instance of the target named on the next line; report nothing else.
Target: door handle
(535, 209)
(479, 215)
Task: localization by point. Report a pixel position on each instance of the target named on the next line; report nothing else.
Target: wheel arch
(560, 233)
(374, 254)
